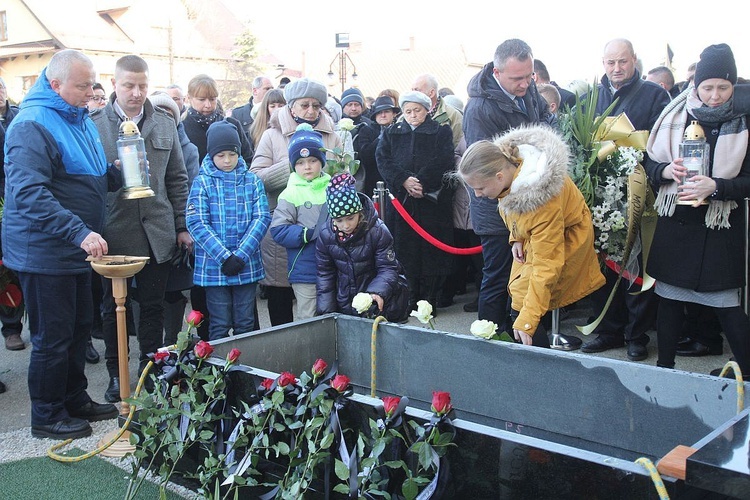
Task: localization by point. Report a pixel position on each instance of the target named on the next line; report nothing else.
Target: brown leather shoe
(13, 342)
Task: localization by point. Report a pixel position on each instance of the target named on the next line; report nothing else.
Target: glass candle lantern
(694, 151)
(131, 151)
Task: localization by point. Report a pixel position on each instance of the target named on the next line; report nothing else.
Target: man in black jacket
(502, 96)
(364, 136)
(11, 322)
(246, 114)
(629, 316)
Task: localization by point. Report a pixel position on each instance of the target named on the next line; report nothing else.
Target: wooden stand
(119, 273)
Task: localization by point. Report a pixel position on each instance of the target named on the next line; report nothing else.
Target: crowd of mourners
(262, 201)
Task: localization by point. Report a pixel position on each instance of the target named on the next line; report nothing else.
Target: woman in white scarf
(698, 250)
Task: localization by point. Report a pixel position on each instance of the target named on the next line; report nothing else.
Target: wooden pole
(120, 293)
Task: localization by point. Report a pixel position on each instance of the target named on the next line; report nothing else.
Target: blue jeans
(60, 311)
(230, 307)
(493, 294)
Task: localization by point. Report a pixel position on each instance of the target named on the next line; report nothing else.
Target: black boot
(112, 394)
(434, 289)
(414, 290)
(91, 355)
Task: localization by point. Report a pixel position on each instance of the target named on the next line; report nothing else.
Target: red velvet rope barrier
(616, 268)
(427, 236)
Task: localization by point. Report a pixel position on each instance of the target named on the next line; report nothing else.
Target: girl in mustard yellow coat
(554, 262)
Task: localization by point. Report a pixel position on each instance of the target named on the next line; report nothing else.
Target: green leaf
(409, 489)
(505, 337)
(341, 488)
(283, 448)
(425, 456)
(395, 464)
(327, 441)
(342, 471)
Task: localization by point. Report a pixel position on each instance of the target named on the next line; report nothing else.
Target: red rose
(194, 318)
(340, 382)
(160, 356)
(286, 378)
(319, 368)
(390, 403)
(11, 296)
(203, 349)
(267, 383)
(233, 356)
(441, 402)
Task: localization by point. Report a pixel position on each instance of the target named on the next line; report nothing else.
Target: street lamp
(342, 42)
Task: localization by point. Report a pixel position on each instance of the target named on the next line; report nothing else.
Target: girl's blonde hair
(484, 159)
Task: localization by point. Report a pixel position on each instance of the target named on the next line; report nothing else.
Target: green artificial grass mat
(43, 478)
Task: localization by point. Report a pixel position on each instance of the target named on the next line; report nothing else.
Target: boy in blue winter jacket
(227, 216)
(298, 212)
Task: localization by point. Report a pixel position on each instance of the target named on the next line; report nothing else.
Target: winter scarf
(729, 153)
(204, 120)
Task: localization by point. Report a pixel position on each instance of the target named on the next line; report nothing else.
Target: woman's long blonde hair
(260, 123)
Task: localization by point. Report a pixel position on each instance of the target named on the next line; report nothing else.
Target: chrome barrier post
(559, 341)
(380, 197)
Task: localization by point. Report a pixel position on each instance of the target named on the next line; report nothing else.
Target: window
(3, 27)
(28, 82)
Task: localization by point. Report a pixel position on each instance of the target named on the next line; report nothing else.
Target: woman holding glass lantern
(698, 253)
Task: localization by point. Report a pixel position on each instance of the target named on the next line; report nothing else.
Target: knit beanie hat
(305, 87)
(415, 96)
(342, 197)
(717, 61)
(163, 100)
(222, 136)
(352, 95)
(305, 142)
(334, 109)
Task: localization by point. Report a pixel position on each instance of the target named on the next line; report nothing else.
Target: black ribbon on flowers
(347, 457)
(435, 422)
(641, 221)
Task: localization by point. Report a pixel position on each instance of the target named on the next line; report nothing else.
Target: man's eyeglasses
(98, 98)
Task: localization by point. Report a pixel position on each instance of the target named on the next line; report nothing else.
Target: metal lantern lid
(129, 128)
(694, 132)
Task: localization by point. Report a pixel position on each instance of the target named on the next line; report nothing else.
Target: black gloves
(309, 234)
(232, 266)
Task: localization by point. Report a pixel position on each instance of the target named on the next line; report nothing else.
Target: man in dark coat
(150, 227)
(502, 96)
(364, 136)
(12, 326)
(629, 316)
(246, 114)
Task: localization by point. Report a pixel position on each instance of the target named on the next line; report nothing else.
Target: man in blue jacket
(56, 185)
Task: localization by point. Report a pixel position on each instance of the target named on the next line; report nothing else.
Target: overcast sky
(571, 48)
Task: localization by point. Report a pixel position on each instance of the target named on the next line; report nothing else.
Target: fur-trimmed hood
(543, 171)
